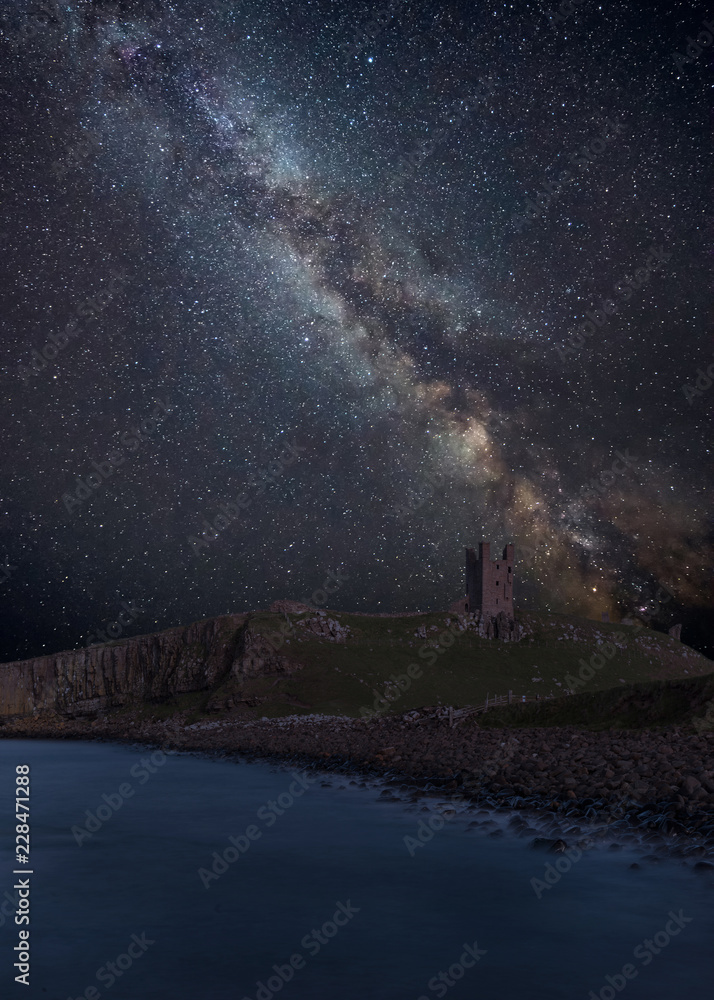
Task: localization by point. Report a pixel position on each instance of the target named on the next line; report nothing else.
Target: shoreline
(563, 779)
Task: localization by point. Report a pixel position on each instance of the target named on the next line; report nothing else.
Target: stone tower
(489, 585)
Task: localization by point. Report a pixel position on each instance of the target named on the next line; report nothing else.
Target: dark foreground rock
(661, 781)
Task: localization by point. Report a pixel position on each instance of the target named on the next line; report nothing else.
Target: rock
(549, 845)
(531, 774)
(690, 785)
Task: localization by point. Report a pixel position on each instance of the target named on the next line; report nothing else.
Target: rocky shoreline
(656, 787)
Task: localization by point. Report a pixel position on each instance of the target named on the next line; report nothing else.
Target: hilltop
(274, 663)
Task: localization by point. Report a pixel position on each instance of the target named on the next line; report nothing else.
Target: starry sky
(315, 275)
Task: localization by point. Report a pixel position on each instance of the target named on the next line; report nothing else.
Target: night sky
(286, 254)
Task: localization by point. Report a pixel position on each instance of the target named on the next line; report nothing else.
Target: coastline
(655, 788)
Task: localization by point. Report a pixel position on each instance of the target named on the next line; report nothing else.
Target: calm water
(410, 916)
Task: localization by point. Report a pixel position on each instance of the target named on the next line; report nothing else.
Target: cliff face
(145, 668)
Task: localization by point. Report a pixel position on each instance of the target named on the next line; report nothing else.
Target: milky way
(298, 288)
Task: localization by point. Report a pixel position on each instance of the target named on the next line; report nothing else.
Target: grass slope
(340, 678)
(684, 702)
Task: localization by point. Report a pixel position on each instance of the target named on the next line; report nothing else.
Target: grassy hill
(319, 674)
(686, 701)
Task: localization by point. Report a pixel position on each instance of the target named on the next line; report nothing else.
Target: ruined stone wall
(489, 626)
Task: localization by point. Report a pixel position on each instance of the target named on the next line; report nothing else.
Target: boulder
(690, 785)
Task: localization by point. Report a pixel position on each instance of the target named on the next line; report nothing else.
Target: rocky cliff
(145, 668)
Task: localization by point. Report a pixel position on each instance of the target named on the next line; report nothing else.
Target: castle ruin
(489, 592)
(489, 585)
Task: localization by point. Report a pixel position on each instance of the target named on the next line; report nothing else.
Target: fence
(456, 714)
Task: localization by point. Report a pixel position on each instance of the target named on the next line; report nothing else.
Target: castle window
(509, 569)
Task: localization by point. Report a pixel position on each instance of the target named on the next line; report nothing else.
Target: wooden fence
(456, 714)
